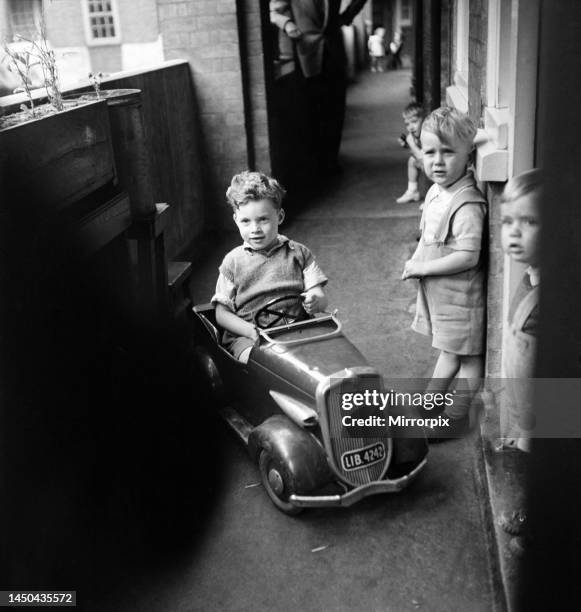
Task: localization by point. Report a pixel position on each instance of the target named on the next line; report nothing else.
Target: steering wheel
(270, 315)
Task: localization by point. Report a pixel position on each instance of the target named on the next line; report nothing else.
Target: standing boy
(451, 304)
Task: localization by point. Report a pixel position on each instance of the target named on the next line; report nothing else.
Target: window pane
(103, 21)
(23, 17)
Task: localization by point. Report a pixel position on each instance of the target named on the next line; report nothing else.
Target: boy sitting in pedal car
(266, 266)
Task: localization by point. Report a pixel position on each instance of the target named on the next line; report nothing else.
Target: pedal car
(283, 406)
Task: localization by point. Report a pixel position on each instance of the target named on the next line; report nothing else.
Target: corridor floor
(424, 549)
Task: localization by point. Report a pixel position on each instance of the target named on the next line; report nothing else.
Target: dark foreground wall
(552, 581)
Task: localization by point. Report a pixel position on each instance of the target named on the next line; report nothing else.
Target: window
(457, 94)
(101, 22)
(405, 12)
(24, 17)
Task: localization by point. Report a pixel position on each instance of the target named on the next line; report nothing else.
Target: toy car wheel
(274, 482)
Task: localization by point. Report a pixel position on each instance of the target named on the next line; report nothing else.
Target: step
(178, 274)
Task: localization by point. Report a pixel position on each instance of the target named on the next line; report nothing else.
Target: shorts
(236, 345)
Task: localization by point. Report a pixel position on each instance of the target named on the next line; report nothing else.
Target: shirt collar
(280, 241)
(534, 276)
(466, 181)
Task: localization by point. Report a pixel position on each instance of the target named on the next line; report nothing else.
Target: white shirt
(467, 223)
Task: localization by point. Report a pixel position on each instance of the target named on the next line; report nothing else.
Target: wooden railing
(172, 134)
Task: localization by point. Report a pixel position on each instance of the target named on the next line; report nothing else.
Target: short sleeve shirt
(249, 279)
(467, 223)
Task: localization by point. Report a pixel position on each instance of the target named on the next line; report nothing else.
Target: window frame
(401, 22)
(36, 15)
(100, 42)
(457, 93)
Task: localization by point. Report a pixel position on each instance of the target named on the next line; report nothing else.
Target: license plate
(363, 457)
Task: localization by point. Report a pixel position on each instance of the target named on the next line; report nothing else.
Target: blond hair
(447, 123)
(523, 184)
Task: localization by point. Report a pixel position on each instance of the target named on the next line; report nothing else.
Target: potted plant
(56, 151)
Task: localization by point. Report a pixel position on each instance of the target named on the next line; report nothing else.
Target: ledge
(496, 122)
(12, 102)
(492, 146)
(457, 97)
(491, 162)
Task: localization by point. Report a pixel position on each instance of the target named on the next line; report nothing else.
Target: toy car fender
(304, 458)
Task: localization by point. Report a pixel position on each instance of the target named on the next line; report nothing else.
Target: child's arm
(416, 151)
(315, 300)
(314, 280)
(459, 261)
(234, 324)
(467, 227)
(281, 16)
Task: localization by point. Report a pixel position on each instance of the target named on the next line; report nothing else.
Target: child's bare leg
(469, 381)
(412, 193)
(413, 173)
(472, 369)
(245, 355)
(445, 370)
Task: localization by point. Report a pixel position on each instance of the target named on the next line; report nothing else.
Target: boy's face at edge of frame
(413, 124)
(520, 232)
(444, 162)
(258, 222)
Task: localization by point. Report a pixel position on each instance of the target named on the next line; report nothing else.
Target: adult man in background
(315, 26)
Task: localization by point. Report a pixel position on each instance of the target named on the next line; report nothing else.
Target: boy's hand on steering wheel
(313, 302)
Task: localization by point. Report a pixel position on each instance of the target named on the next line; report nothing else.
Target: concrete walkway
(427, 549)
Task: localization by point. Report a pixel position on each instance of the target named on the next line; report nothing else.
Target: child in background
(376, 47)
(451, 302)
(265, 267)
(520, 214)
(413, 116)
(395, 47)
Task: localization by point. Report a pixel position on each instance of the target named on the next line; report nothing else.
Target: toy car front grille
(356, 460)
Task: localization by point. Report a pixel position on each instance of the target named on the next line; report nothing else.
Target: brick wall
(477, 46)
(446, 42)
(106, 59)
(477, 57)
(431, 54)
(205, 32)
(4, 19)
(138, 20)
(64, 23)
(495, 282)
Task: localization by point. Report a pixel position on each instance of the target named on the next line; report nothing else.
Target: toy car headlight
(300, 413)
